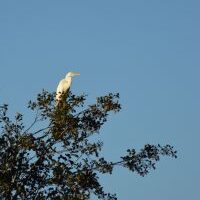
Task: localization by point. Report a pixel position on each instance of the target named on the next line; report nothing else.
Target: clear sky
(148, 51)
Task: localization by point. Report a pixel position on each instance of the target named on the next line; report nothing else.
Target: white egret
(65, 84)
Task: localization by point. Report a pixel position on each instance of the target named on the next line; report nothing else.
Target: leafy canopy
(59, 160)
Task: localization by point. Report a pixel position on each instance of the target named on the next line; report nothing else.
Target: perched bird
(65, 84)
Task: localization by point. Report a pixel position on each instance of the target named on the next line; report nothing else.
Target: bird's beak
(76, 73)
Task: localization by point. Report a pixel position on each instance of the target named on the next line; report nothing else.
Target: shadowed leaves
(60, 159)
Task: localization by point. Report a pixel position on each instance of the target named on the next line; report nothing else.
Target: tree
(59, 160)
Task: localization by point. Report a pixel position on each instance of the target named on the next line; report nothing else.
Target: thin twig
(33, 123)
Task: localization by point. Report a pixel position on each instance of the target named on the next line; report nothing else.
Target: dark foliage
(60, 161)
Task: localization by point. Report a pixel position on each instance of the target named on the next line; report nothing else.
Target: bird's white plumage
(65, 84)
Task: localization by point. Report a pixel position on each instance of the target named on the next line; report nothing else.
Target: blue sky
(148, 51)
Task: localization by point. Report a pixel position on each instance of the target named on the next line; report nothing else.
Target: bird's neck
(68, 78)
